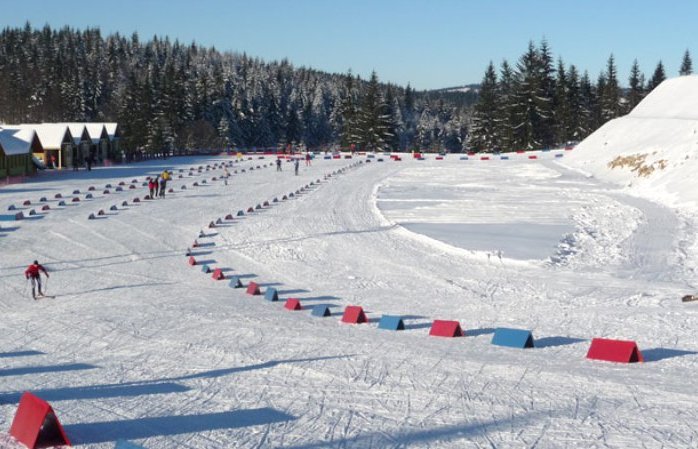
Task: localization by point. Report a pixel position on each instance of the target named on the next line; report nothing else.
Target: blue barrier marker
(235, 282)
(391, 323)
(513, 338)
(321, 311)
(504, 158)
(559, 155)
(206, 269)
(271, 294)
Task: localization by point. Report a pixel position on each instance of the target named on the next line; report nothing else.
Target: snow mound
(653, 150)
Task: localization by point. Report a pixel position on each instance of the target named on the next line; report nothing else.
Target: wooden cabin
(16, 148)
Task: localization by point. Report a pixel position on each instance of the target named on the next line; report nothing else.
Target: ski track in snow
(136, 333)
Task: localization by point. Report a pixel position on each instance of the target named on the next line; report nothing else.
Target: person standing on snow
(156, 181)
(151, 187)
(164, 177)
(226, 175)
(278, 164)
(33, 273)
(163, 186)
(295, 166)
(307, 159)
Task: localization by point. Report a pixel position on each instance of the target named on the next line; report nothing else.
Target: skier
(156, 181)
(226, 175)
(278, 164)
(163, 186)
(151, 187)
(33, 272)
(295, 166)
(307, 159)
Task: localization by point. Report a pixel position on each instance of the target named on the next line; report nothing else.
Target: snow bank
(653, 150)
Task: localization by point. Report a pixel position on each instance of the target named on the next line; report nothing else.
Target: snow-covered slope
(139, 345)
(654, 149)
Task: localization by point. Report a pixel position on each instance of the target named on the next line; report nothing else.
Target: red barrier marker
(620, 351)
(293, 304)
(444, 328)
(36, 424)
(253, 289)
(354, 315)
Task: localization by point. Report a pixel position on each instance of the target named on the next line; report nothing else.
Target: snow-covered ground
(138, 345)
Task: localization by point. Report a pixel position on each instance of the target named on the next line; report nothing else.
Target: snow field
(162, 340)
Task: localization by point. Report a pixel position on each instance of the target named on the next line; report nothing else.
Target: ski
(38, 297)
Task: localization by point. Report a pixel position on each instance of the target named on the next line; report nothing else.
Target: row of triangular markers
(621, 351)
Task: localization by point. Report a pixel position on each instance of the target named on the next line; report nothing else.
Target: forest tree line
(167, 96)
(539, 104)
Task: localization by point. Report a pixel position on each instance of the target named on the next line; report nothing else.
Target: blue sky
(430, 44)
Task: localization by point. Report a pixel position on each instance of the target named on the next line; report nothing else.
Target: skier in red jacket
(33, 272)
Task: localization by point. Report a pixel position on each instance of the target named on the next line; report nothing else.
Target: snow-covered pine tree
(349, 113)
(224, 132)
(372, 118)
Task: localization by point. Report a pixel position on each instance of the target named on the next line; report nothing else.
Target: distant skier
(307, 159)
(226, 175)
(278, 164)
(151, 187)
(157, 187)
(295, 166)
(33, 273)
(163, 186)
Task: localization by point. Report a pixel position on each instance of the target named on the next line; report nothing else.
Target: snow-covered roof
(76, 130)
(51, 135)
(16, 140)
(111, 129)
(95, 131)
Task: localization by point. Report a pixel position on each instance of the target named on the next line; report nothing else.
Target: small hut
(57, 143)
(81, 143)
(17, 145)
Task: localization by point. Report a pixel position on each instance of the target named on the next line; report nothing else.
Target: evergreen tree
(563, 111)
(485, 123)
(530, 102)
(224, 132)
(505, 108)
(686, 64)
(636, 83)
(657, 77)
(610, 92)
(575, 129)
(588, 105)
(546, 128)
(349, 114)
(373, 119)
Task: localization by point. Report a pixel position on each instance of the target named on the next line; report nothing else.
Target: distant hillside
(169, 96)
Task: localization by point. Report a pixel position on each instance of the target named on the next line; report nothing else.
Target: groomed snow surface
(140, 346)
